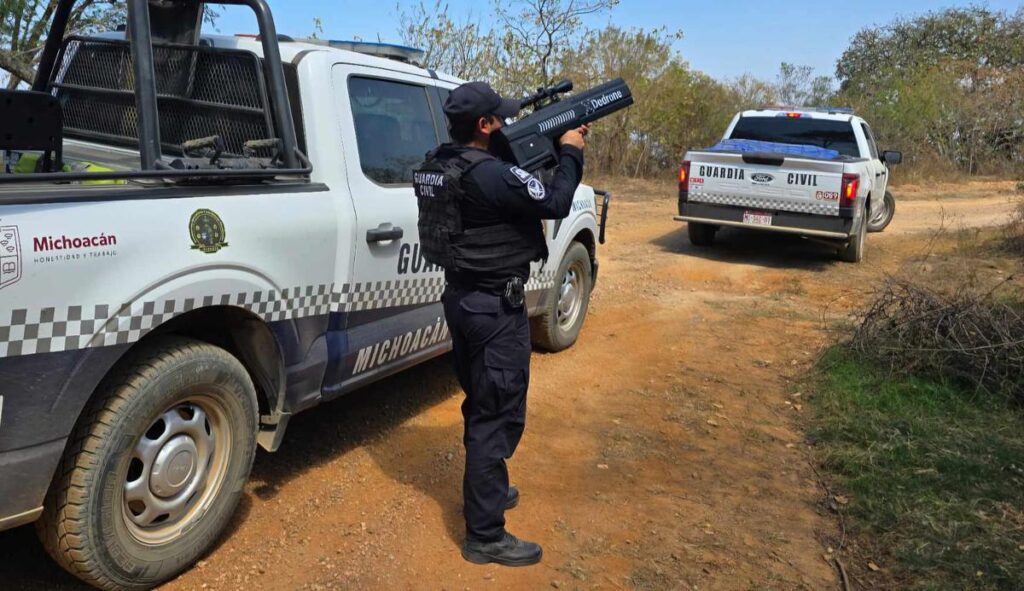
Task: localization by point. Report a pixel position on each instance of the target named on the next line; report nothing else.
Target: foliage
(932, 473)
(538, 35)
(974, 35)
(948, 87)
(460, 48)
(25, 23)
(798, 86)
(674, 108)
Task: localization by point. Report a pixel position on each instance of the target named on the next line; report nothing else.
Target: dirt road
(661, 452)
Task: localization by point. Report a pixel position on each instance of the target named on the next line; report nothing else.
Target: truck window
(871, 140)
(834, 135)
(394, 127)
(442, 96)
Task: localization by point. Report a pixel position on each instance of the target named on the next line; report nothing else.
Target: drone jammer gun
(532, 141)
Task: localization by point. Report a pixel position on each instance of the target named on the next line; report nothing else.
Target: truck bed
(767, 181)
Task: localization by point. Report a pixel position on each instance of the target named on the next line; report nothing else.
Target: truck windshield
(834, 135)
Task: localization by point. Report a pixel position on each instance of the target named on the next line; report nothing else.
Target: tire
(701, 234)
(170, 408)
(853, 252)
(558, 327)
(881, 219)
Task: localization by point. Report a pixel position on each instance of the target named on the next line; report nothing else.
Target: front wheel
(562, 319)
(881, 216)
(155, 467)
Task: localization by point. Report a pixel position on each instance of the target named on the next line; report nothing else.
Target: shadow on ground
(751, 247)
(430, 470)
(362, 418)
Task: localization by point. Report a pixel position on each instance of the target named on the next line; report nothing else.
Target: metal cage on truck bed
(162, 91)
(201, 91)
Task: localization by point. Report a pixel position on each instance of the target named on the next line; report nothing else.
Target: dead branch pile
(965, 336)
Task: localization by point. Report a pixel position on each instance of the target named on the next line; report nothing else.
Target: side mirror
(892, 157)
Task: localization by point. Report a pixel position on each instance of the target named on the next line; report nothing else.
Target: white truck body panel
(805, 186)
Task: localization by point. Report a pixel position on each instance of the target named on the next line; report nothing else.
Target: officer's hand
(574, 137)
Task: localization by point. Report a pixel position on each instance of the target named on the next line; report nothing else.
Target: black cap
(476, 99)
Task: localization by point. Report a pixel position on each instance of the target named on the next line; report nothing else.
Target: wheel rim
(570, 296)
(880, 216)
(176, 470)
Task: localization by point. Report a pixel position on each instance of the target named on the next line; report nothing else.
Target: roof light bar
(790, 108)
(409, 55)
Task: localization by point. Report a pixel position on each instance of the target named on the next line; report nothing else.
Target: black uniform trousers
(491, 346)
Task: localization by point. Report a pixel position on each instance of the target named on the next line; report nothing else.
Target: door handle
(382, 234)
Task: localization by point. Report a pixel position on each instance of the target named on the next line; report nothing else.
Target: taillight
(848, 193)
(792, 115)
(684, 180)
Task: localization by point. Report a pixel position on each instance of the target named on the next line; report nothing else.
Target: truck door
(879, 169)
(392, 303)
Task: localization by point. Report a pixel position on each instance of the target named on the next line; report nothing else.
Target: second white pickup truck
(812, 172)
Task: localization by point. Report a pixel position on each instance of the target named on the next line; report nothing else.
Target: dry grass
(1013, 231)
(636, 189)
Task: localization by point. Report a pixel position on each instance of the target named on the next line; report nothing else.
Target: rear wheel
(882, 214)
(701, 234)
(853, 252)
(560, 324)
(155, 468)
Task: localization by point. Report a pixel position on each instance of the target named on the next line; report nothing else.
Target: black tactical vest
(494, 251)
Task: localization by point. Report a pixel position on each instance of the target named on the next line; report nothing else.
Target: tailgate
(769, 182)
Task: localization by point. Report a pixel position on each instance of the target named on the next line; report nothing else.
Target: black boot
(509, 551)
(513, 498)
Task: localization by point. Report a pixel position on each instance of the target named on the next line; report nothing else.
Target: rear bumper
(836, 228)
(25, 474)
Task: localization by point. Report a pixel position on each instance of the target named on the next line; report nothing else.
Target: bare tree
(538, 32)
(460, 48)
(799, 87)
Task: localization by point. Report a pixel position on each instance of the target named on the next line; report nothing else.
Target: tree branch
(16, 68)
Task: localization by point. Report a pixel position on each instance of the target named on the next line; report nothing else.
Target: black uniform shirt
(499, 192)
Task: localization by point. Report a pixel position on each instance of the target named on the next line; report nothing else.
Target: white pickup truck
(175, 283)
(812, 172)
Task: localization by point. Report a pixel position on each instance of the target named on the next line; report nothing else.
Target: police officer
(480, 219)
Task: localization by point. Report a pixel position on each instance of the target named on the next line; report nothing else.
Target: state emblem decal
(207, 231)
(10, 256)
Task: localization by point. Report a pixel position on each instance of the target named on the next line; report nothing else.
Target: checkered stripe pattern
(51, 330)
(542, 280)
(274, 306)
(816, 207)
(375, 295)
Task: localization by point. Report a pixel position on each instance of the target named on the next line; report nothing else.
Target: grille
(201, 91)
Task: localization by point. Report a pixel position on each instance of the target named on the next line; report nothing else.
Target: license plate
(757, 218)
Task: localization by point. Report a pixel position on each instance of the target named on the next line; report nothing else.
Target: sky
(724, 38)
